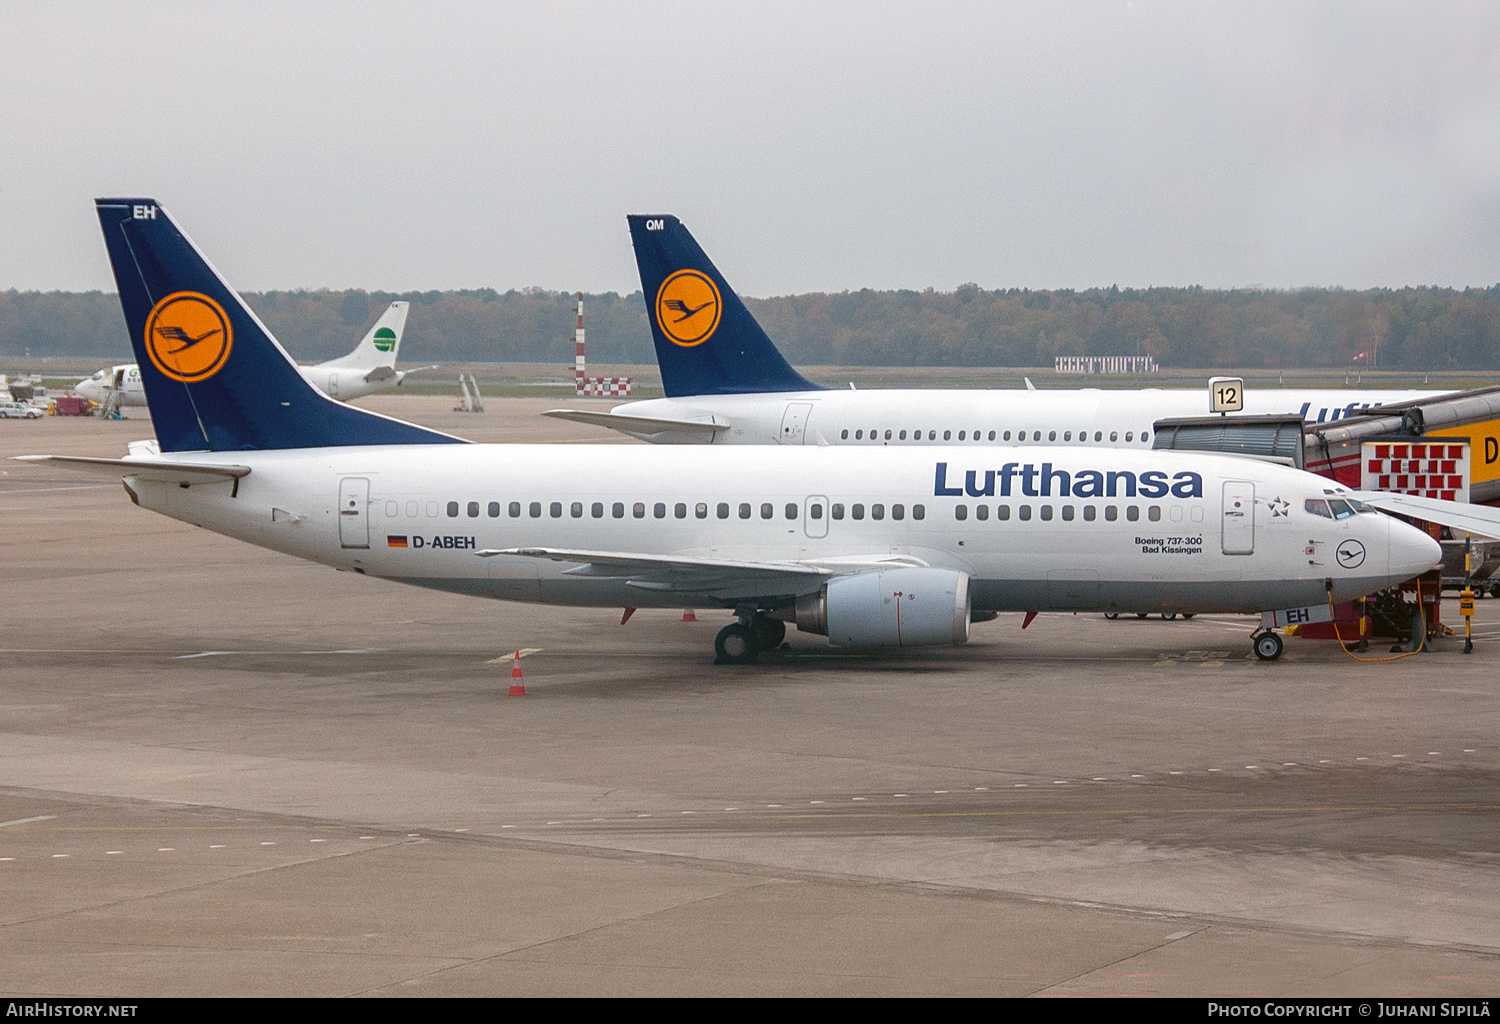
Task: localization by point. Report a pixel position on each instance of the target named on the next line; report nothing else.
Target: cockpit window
(1318, 507)
(1341, 509)
(1362, 506)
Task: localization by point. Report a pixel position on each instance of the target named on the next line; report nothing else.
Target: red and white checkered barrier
(1424, 469)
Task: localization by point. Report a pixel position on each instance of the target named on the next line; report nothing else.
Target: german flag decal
(395, 542)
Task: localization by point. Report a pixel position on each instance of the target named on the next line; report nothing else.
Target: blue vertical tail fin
(707, 343)
(215, 378)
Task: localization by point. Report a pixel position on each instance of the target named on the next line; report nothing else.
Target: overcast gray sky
(809, 146)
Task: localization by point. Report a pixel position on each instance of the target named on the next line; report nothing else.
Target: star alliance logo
(1278, 507)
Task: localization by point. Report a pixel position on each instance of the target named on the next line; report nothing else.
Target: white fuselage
(341, 382)
(1067, 533)
(1089, 416)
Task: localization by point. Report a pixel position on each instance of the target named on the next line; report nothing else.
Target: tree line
(1424, 328)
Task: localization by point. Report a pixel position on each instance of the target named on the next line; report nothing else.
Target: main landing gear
(740, 642)
(1267, 644)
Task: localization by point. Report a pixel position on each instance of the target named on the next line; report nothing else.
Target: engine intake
(890, 608)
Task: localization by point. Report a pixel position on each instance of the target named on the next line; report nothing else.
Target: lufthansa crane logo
(188, 336)
(688, 308)
(1351, 554)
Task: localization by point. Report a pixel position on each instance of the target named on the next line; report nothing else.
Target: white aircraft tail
(381, 345)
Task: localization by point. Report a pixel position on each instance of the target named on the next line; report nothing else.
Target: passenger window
(877, 511)
(932, 435)
(902, 435)
(1132, 513)
(791, 510)
(1098, 435)
(700, 510)
(1341, 509)
(766, 510)
(1047, 513)
(1318, 507)
(536, 510)
(859, 435)
(1129, 436)
(680, 510)
(857, 511)
(959, 511)
(1052, 435)
(1153, 513)
(1007, 435)
(981, 512)
(494, 510)
(659, 510)
(452, 510)
(898, 511)
(961, 435)
(1023, 513)
(1067, 511)
(473, 510)
(555, 509)
(1088, 513)
(1114, 435)
(1067, 435)
(638, 510)
(1175, 513)
(597, 510)
(411, 509)
(919, 511)
(392, 508)
(815, 511)
(744, 510)
(947, 435)
(432, 509)
(887, 435)
(1002, 512)
(1145, 437)
(992, 435)
(617, 510)
(514, 509)
(722, 511)
(1111, 513)
(1036, 435)
(836, 510)
(844, 435)
(576, 510)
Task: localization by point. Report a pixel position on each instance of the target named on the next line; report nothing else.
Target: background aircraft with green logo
(371, 367)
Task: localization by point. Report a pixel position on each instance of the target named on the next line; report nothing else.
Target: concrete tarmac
(227, 772)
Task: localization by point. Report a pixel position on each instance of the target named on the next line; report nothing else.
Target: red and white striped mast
(580, 382)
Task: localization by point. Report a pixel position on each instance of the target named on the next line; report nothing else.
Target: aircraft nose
(1412, 551)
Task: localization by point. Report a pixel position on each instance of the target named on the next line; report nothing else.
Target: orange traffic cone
(517, 688)
(688, 616)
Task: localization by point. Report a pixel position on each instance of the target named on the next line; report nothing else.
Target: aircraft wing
(1481, 520)
(716, 577)
(648, 428)
(143, 469)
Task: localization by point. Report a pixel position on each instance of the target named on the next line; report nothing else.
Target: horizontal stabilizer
(1481, 520)
(648, 428)
(143, 469)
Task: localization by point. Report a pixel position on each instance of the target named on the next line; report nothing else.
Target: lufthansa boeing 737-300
(874, 547)
(727, 383)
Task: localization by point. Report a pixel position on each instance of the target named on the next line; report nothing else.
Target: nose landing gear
(1267, 645)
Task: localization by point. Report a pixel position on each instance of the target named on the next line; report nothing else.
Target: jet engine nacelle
(890, 608)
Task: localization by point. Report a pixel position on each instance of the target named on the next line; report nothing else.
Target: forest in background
(1412, 328)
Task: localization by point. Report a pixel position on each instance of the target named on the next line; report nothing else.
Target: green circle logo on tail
(385, 339)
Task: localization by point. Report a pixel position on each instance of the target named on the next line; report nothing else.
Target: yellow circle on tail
(188, 336)
(688, 308)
